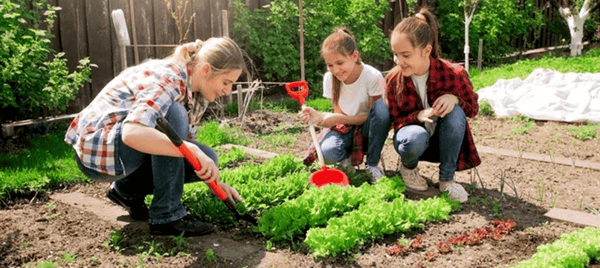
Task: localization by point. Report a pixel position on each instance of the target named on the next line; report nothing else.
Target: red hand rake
(299, 90)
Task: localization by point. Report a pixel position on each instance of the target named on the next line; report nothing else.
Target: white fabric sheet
(547, 95)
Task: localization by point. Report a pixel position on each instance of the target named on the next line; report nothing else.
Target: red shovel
(164, 127)
(299, 90)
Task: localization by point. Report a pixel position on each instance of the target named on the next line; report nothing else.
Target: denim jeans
(162, 176)
(337, 147)
(414, 143)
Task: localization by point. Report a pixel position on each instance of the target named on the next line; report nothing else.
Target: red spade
(299, 90)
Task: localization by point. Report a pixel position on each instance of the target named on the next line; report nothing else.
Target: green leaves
(576, 249)
(272, 35)
(47, 85)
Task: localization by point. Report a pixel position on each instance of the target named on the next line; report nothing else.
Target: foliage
(523, 129)
(33, 80)
(497, 22)
(320, 104)
(575, 249)
(233, 156)
(585, 132)
(261, 185)
(213, 134)
(271, 35)
(374, 220)
(586, 63)
(485, 108)
(316, 205)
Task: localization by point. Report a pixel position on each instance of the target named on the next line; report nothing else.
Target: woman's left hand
(231, 192)
(444, 104)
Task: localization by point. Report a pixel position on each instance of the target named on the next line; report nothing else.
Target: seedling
(210, 255)
(269, 245)
(50, 206)
(540, 190)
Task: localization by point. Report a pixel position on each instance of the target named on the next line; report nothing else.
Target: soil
(45, 227)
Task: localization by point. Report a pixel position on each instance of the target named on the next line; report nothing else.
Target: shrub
(271, 35)
(33, 80)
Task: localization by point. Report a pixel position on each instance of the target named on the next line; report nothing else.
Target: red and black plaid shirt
(444, 78)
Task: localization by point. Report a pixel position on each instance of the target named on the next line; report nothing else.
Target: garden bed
(36, 229)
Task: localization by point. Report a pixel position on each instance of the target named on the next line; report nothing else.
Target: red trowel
(299, 90)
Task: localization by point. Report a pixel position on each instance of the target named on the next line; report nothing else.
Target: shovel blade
(328, 176)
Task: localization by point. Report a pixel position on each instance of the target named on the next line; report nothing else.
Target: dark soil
(37, 229)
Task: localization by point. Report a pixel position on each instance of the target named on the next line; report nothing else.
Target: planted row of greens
(261, 185)
(316, 206)
(576, 249)
(374, 220)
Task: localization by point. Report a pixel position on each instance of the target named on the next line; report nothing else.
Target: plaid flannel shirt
(444, 78)
(139, 94)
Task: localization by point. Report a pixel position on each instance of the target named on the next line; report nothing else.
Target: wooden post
(225, 23)
(135, 48)
(302, 76)
(480, 54)
(240, 100)
(118, 19)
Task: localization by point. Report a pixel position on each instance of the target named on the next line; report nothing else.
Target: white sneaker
(376, 172)
(412, 179)
(455, 191)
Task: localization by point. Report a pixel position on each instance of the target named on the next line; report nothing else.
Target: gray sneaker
(376, 172)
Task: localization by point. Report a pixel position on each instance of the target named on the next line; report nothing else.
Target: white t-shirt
(420, 82)
(355, 97)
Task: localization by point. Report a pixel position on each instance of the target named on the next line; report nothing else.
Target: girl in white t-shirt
(355, 89)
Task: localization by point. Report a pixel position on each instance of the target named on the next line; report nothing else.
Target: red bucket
(327, 176)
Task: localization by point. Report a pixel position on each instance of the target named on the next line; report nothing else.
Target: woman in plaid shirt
(429, 100)
(115, 140)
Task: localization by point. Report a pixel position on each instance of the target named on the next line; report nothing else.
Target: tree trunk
(575, 22)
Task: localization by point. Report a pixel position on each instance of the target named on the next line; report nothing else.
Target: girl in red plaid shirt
(429, 100)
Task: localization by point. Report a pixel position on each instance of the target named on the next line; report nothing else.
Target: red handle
(196, 164)
(297, 90)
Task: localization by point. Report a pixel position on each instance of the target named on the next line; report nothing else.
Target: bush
(497, 22)
(33, 80)
(271, 35)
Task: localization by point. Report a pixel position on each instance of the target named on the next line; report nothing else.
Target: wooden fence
(84, 29)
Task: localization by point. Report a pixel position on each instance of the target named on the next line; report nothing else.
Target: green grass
(587, 63)
(46, 162)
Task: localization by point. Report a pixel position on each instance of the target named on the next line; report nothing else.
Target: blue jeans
(337, 147)
(414, 143)
(163, 176)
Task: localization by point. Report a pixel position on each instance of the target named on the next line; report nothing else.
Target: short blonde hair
(222, 53)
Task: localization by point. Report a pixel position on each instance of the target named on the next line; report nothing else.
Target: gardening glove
(231, 192)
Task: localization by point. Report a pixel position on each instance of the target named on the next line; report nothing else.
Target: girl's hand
(309, 114)
(209, 171)
(231, 192)
(425, 115)
(329, 120)
(444, 104)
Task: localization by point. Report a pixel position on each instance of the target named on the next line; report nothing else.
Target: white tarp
(547, 95)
